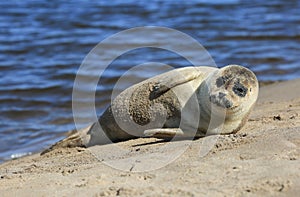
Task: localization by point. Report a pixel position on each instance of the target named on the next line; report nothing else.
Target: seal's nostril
(221, 95)
(228, 104)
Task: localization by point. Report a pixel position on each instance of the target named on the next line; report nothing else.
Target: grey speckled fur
(189, 102)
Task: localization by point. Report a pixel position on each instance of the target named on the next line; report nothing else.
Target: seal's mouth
(221, 100)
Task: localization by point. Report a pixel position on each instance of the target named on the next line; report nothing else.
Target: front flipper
(173, 79)
(163, 132)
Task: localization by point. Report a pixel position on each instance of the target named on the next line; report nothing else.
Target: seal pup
(186, 102)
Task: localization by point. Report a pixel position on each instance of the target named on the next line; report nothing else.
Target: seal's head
(234, 88)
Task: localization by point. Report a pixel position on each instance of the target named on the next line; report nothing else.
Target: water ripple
(42, 44)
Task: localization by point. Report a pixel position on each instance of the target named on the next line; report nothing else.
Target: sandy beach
(260, 160)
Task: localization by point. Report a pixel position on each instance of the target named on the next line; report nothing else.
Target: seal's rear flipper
(163, 132)
(74, 140)
(85, 137)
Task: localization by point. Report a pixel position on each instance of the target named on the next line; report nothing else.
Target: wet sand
(260, 160)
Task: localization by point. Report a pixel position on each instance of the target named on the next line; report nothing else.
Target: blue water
(43, 43)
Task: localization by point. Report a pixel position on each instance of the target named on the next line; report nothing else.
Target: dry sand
(261, 160)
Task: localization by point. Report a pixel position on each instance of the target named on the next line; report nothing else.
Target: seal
(185, 102)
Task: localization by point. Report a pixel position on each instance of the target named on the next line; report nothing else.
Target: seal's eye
(239, 89)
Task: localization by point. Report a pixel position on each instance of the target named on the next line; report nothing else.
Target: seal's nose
(221, 95)
(224, 101)
(221, 100)
(227, 103)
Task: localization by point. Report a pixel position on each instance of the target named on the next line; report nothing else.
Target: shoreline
(261, 159)
(19, 155)
(24, 154)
